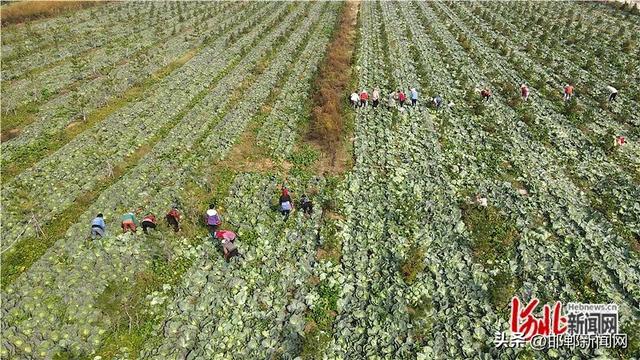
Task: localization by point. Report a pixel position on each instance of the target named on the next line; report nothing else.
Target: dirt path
(330, 130)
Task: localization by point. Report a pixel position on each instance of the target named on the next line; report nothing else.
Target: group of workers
(212, 220)
(400, 97)
(129, 222)
(395, 97)
(567, 93)
(286, 204)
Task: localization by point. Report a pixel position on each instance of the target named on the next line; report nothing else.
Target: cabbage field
(145, 105)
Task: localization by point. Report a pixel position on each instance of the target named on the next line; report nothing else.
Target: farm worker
(524, 91)
(437, 101)
(306, 205)
(355, 99)
(173, 218)
(364, 98)
(401, 97)
(414, 96)
(286, 205)
(227, 239)
(212, 219)
(613, 93)
(149, 221)
(620, 140)
(392, 100)
(486, 94)
(568, 92)
(98, 227)
(129, 222)
(375, 97)
(481, 200)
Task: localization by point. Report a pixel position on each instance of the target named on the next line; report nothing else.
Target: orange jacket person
(173, 218)
(568, 92)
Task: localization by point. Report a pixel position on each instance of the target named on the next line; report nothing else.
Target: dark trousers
(612, 97)
(173, 222)
(146, 225)
(307, 209)
(212, 229)
(286, 214)
(375, 103)
(231, 254)
(414, 102)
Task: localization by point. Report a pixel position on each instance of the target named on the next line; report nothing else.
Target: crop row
(591, 85)
(48, 83)
(550, 158)
(606, 174)
(592, 166)
(70, 107)
(394, 214)
(21, 39)
(482, 154)
(543, 184)
(77, 166)
(155, 198)
(94, 41)
(279, 129)
(254, 306)
(576, 49)
(188, 128)
(279, 319)
(564, 136)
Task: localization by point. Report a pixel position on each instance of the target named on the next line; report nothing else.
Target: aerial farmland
(320, 180)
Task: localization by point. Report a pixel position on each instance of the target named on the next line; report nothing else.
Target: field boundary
(329, 128)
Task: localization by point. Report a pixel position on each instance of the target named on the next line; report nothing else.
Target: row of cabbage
(543, 186)
(252, 307)
(119, 30)
(247, 321)
(551, 158)
(600, 123)
(544, 16)
(99, 63)
(590, 162)
(77, 166)
(605, 175)
(593, 164)
(288, 114)
(58, 113)
(20, 39)
(187, 131)
(583, 20)
(389, 211)
(164, 172)
(591, 82)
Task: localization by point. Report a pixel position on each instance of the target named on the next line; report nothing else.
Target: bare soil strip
(330, 125)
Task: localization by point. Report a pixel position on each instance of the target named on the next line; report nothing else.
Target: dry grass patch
(22, 11)
(334, 78)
